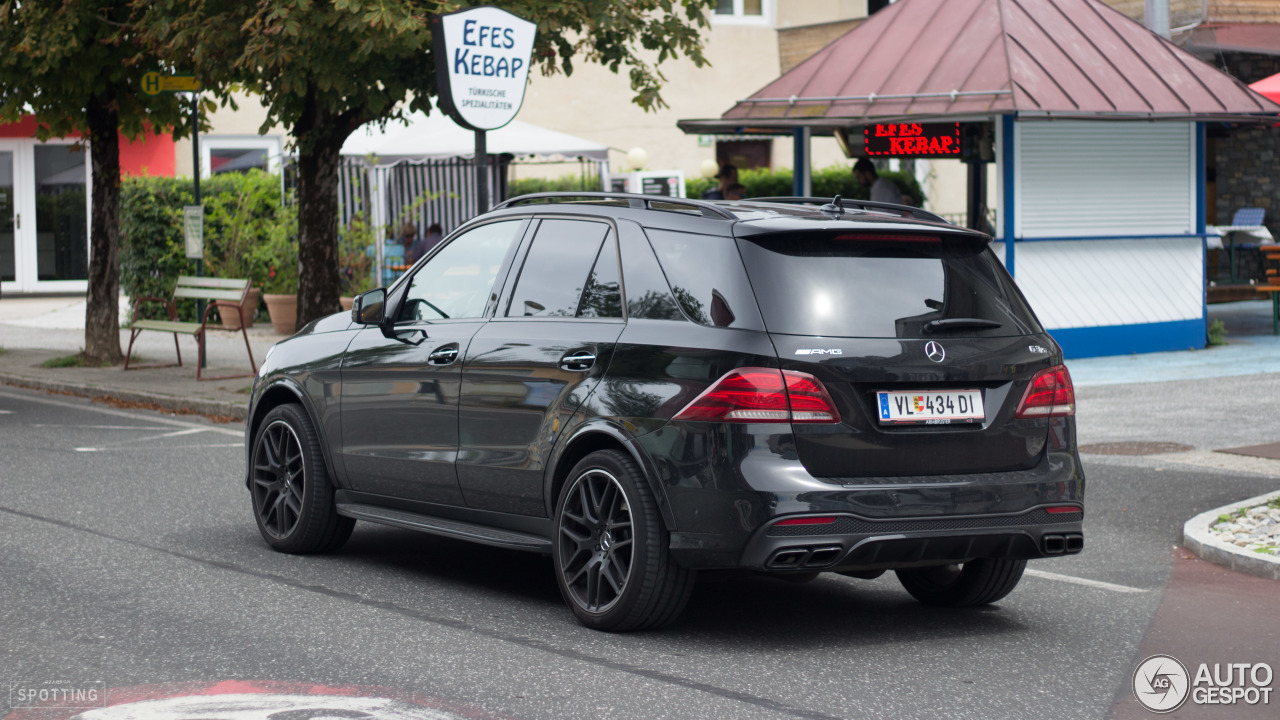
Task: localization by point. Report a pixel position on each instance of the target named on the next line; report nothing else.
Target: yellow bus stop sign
(153, 83)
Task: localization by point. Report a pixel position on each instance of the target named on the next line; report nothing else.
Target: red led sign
(922, 140)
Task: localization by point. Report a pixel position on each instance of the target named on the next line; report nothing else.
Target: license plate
(935, 407)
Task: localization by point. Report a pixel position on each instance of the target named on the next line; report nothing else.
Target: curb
(1197, 538)
(238, 411)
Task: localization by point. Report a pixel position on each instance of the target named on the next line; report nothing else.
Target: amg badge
(820, 351)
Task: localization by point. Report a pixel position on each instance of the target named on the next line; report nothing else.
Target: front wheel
(977, 582)
(292, 495)
(610, 548)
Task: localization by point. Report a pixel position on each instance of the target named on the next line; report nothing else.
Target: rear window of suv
(877, 286)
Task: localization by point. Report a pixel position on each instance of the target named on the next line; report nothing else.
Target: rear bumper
(854, 543)
(728, 490)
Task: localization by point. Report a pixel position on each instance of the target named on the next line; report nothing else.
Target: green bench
(225, 293)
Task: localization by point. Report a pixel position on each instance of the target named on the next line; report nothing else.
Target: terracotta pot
(283, 310)
(248, 309)
(347, 302)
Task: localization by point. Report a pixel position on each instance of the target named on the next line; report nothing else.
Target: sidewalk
(33, 330)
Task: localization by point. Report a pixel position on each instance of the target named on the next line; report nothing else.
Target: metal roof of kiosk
(974, 59)
(1127, 276)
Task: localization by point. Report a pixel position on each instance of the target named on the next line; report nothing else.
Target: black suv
(647, 387)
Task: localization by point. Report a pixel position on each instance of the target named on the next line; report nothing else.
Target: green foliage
(565, 183)
(356, 245)
(241, 213)
(277, 255)
(827, 182)
(70, 361)
(60, 55)
(1217, 333)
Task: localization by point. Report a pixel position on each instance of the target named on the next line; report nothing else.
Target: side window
(556, 269)
(456, 283)
(603, 296)
(708, 279)
(648, 295)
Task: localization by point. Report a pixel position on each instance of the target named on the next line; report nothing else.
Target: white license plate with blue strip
(934, 407)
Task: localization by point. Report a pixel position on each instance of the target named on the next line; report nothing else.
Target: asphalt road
(128, 555)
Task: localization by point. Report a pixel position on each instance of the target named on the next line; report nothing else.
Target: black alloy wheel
(596, 540)
(977, 582)
(610, 548)
(289, 484)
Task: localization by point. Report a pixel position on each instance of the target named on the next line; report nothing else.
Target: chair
(393, 264)
(1244, 219)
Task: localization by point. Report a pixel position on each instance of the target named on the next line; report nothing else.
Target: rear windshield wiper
(951, 323)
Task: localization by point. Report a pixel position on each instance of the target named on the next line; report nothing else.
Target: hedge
(827, 182)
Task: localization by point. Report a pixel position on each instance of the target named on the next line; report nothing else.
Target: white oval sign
(482, 65)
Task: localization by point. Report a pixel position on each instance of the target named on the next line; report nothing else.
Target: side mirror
(370, 308)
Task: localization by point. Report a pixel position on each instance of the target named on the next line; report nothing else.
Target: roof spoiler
(838, 204)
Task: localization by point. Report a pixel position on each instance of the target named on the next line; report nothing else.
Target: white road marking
(135, 448)
(1082, 581)
(118, 413)
(98, 427)
(6, 412)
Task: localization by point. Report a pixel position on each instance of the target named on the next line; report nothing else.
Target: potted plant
(238, 222)
(279, 255)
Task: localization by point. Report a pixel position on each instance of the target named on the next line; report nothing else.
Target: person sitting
(882, 189)
(423, 245)
(728, 176)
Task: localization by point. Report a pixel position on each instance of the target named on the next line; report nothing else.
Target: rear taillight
(808, 520)
(1050, 394)
(763, 395)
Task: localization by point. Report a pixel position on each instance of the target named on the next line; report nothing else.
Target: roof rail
(639, 202)
(861, 204)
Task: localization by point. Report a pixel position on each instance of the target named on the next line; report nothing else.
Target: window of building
(224, 154)
(745, 154)
(742, 11)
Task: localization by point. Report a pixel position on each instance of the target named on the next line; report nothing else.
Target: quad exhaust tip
(807, 557)
(1060, 544)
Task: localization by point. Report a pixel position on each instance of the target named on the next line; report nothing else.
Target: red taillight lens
(1050, 394)
(763, 395)
(810, 520)
(1057, 509)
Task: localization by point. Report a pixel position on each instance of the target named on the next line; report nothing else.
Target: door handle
(578, 360)
(443, 356)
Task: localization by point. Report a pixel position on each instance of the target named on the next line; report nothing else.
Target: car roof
(737, 217)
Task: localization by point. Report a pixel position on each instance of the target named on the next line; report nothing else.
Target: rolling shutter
(1105, 179)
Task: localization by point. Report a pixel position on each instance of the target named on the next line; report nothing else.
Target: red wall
(152, 154)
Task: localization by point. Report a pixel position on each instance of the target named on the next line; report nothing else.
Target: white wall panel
(1099, 179)
(1096, 283)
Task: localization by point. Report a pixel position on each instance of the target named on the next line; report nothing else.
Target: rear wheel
(977, 582)
(610, 548)
(289, 483)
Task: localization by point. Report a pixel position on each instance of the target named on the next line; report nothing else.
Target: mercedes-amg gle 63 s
(644, 388)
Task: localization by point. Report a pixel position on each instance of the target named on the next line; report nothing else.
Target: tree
(323, 69)
(78, 69)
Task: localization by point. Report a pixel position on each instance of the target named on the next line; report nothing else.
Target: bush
(239, 210)
(565, 183)
(827, 182)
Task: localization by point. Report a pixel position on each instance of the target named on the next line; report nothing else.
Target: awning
(436, 136)
(1262, 38)
(954, 60)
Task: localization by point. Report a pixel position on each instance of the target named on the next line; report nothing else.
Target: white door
(45, 211)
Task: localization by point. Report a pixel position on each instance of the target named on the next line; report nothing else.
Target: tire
(977, 582)
(286, 455)
(610, 548)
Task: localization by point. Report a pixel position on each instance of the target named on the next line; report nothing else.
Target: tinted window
(603, 296)
(556, 269)
(707, 279)
(456, 283)
(843, 286)
(648, 295)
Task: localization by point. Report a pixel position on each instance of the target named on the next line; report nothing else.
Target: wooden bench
(221, 292)
(1271, 255)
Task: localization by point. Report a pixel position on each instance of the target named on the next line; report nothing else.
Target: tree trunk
(318, 286)
(102, 314)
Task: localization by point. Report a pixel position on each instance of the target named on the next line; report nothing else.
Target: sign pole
(195, 191)
(482, 172)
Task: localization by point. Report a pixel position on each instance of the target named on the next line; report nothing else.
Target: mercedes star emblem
(934, 351)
